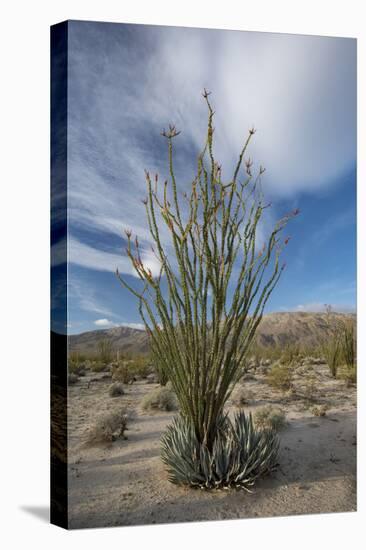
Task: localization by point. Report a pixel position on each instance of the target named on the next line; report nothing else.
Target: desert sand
(125, 483)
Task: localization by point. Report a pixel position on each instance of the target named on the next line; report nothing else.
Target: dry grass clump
(310, 387)
(140, 366)
(348, 374)
(241, 396)
(270, 418)
(163, 399)
(319, 410)
(290, 354)
(122, 373)
(280, 377)
(348, 345)
(108, 427)
(75, 367)
(98, 366)
(116, 389)
(105, 351)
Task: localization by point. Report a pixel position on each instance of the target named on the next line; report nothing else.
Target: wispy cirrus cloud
(83, 296)
(100, 260)
(127, 82)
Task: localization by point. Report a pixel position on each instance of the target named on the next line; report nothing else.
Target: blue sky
(127, 82)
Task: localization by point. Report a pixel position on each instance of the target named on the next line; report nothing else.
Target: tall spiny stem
(217, 281)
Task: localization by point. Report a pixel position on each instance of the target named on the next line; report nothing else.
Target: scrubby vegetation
(348, 346)
(309, 386)
(270, 418)
(116, 389)
(108, 427)
(121, 373)
(241, 396)
(105, 349)
(319, 410)
(331, 349)
(280, 376)
(163, 399)
(98, 366)
(127, 371)
(77, 363)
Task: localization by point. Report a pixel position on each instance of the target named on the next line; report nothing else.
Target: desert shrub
(140, 366)
(280, 377)
(332, 343)
(98, 366)
(310, 386)
(348, 346)
(252, 359)
(259, 353)
(331, 351)
(77, 363)
(290, 354)
(319, 410)
(349, 375)
(121, 372)
(270, 418)
(116, 389)
(240, 454)
(241, 396)
(108, 427)
(76, 368)
(105, 351)
(73, 378)
(163, 399)
(77, 357)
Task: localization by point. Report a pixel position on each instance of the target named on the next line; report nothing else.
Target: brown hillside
(275, 329)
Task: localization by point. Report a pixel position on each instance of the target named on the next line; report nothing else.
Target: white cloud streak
(126, 83)
(320, 308)
(104, 323)
(137, 326)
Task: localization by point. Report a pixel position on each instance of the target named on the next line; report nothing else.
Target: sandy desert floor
(124, 483)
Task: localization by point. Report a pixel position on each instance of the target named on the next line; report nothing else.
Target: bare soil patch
(123, 482)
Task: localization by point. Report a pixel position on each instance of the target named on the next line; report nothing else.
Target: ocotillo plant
(202, 309)
(331, 344)
(349, 343)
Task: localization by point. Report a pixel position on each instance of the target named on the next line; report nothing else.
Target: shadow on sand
(40, 512)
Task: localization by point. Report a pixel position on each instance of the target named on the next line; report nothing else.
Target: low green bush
(122, 373)
(108, 427)
(280, 377)
(98, 366)
(116, 389)
(163, 399)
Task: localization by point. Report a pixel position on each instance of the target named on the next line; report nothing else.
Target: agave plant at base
(239, 456)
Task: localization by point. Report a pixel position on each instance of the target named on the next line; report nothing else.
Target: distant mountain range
(275, 329)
